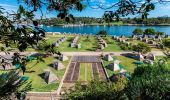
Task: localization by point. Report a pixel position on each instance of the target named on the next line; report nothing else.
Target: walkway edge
(61, 83)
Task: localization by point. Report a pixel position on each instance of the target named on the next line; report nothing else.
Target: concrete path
(157, 53)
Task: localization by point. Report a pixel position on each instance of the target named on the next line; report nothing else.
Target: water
(112, 30)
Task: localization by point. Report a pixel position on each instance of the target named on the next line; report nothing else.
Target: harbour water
(112, 30)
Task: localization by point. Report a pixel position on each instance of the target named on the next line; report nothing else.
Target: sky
(161, 9)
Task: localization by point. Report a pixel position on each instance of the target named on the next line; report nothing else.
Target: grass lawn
(89, 71)
(112, 45)
(88, 43)
(82, 72)
(34, 72)
(85, 72)
(135, 42)
(127, 63)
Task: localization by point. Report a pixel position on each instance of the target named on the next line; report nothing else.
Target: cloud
(9, 7)
(165, 7)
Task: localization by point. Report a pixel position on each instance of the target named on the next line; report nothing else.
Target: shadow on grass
(69, 40)
(31, 71)
(42, 75)
(50, 65)
(130, 55)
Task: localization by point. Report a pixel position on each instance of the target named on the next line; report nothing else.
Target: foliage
(107, 17)
(141, 47)
(149, 31)
(138, 31)
(60, 6)
(166, 50)
(78, 20)
(149, 82)
(166, 43)
(103, 33)
(12, 85)
(164, 20)
(91, 20)
(97, 90)
(160, 33)
(124, 46)
(20, 34)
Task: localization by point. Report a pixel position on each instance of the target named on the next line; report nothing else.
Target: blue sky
(161, 9)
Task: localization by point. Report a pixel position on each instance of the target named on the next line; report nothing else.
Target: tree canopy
(146, 83)
(12, 86)
(138, 31)
(149, 31)
(103, 33)
(166, 43)
(141, 47)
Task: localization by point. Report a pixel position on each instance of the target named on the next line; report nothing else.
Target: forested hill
(100, 21)
(78, 20)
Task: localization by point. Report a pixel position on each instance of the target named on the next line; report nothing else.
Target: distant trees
(77, 20)
(148, 31)
(141, 48)
(138, 31)
(149, 21)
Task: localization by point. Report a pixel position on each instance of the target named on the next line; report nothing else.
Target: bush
(141, 47)
(103, 33)
(149, 31)
(138, 31)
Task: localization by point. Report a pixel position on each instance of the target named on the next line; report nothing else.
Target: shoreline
(113, 25)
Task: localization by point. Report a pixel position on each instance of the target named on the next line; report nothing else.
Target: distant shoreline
(117, 25)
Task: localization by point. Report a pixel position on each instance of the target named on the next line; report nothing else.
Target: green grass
(112, 45)
(87, 44)
(89, 71)
(85, 72)
(82, 72)
(127, 63)
(34, 72)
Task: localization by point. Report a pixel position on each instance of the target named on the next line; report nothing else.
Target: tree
(166, 43)
(97, 90)
(141, 48)
(160, 33)
(13, 86)
(149, 82)
(103, 33)
(149, 31)
(138, 31)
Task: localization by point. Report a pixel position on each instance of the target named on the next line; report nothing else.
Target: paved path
(157, 53)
